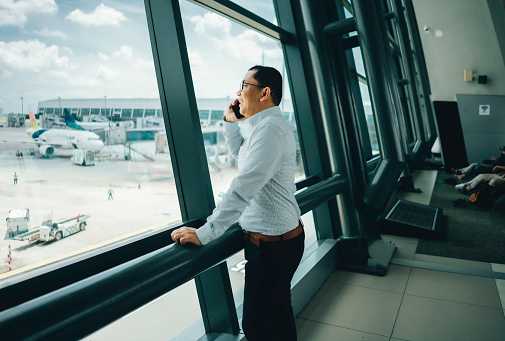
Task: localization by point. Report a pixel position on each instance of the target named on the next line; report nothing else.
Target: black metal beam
(244, 17)
(340, 27)
(350, 42)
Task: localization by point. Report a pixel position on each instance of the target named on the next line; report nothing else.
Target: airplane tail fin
(68, 118)
(33, 121)
(70, 121)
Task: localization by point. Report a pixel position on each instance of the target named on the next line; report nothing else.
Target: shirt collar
(256, 119)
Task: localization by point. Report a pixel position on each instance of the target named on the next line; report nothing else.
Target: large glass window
(85, 187)
(87, 191)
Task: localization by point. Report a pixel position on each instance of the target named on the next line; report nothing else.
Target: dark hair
(269, 77)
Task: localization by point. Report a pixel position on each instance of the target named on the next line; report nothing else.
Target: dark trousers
(267, 312)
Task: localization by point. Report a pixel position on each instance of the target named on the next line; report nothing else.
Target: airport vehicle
(83, 157)
(63, 228)
(18, 222)
(50, 231)
(50, 139)
(91, 126)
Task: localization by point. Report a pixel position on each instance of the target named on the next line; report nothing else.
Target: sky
(91, 49)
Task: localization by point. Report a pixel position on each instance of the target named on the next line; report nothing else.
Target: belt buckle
(254, 239)
(248, 236)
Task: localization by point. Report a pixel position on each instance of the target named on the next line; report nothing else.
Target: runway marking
(90, 248)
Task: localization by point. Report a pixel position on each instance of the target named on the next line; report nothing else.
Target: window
(138, 112)
(216, 116)
(65, 186)
(85, 59)
(126, 113)
(204, 117)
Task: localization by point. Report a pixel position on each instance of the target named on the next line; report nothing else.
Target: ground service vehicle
(62, 228)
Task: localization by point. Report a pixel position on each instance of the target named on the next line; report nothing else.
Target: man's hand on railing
(185, 235)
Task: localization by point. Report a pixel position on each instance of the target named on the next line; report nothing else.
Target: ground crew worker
(15, 178)
(110, 193)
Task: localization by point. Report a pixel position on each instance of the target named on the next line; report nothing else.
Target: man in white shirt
(261, 198)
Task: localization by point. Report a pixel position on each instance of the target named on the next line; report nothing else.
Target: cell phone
(236, 110)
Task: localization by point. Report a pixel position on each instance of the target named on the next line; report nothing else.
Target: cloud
(125, 54)
(14, 13)
(33, 56)
(103, 56)
(211, 24)
(247, 46)
(101, 16)
(45, 32)
(106, 73)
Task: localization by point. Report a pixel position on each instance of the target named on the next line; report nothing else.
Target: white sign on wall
(484, 109)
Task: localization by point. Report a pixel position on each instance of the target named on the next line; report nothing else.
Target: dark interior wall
(450, 134)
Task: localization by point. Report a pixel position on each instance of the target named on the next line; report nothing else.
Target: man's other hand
(185, 235)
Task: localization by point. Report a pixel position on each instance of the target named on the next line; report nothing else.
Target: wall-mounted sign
(484, 109)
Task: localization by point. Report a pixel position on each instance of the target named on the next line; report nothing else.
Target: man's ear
(266, 94)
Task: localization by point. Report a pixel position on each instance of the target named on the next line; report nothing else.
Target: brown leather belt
(258, 238)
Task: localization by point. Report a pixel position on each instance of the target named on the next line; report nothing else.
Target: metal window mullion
(402, 32)
(331, 109)
(421, 65)
(379, 78)
(313, 145)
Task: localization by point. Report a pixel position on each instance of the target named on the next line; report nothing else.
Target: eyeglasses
(244, 83)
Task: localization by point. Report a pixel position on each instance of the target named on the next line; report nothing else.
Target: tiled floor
(409, 303)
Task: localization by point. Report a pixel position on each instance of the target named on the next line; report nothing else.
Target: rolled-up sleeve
(233, 138)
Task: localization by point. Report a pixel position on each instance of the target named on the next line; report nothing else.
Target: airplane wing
(37, 142)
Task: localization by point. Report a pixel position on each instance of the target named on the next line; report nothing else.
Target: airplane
(50, 139)
(92, 126)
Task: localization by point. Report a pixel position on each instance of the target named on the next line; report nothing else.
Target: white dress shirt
(262, 196)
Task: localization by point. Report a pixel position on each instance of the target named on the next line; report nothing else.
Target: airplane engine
(46, 151)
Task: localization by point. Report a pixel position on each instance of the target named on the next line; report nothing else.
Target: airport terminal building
(389, 252)
(124, 108)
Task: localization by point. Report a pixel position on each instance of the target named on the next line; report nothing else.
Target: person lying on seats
(496, 165)
(494, 180)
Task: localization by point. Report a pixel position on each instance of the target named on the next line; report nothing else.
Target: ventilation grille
(413, 214)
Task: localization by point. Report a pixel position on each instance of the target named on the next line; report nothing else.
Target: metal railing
(78, 309)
